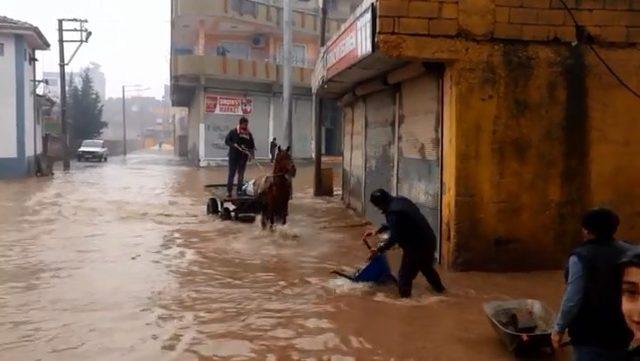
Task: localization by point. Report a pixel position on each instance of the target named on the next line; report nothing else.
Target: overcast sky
(131, 38)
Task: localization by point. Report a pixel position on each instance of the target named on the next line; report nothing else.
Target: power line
(597, 54)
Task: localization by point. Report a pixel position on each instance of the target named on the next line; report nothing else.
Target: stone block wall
(608, 21)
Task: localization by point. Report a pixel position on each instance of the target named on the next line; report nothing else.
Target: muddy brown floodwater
(118, 261)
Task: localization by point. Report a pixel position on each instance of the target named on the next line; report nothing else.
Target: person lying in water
(409, 229)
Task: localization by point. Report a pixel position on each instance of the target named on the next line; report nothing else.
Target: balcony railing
(223, 67)
(253, 11)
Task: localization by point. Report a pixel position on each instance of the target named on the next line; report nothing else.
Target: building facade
(20, 127)
(500, 118)
(226, 63)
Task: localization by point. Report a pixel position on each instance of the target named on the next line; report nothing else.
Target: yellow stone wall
(610, 21)
(535, 130)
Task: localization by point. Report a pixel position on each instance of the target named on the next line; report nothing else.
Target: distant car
(92, 150)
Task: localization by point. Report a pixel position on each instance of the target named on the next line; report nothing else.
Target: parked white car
(93, 150)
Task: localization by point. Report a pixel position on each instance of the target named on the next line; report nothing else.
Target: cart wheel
(212, 207)
(225, 215)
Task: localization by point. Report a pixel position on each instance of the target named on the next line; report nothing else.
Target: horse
(275, 191)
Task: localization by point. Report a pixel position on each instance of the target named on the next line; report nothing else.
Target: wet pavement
(118, 261)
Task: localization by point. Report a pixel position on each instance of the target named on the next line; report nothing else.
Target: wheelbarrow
(376, 269)
(524, 326)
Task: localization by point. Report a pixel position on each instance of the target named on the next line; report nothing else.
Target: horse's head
(284, 163)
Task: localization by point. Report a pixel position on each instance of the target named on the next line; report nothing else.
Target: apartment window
(1, 49)
(245, 7)
(298, 55)
(331, 5)
(233, 49)
(53, 82)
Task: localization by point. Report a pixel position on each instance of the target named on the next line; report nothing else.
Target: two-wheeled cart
(239, 208)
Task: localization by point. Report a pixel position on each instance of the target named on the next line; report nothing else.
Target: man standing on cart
(241, 149)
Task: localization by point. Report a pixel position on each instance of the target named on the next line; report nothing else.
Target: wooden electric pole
(84, 35)
(319, 110)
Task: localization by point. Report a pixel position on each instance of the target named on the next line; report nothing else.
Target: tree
(85, 109)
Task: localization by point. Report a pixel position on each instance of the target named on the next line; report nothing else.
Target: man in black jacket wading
(408, 228)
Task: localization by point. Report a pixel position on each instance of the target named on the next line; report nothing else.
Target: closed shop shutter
(302, 127)
(419, 176)
(380, 147)
(347, 118)
(356, 183)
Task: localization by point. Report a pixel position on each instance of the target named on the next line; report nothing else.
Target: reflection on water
(118, 262)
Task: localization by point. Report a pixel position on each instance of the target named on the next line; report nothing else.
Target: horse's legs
(263, 220)
(264, 215)
(285, 214)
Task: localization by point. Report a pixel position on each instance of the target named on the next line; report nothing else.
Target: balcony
(253, 11)
(222, 67)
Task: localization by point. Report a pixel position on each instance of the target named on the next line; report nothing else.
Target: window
(236, 50)
(1, 49)
(298, 55)
(52, 81)
(244, 7)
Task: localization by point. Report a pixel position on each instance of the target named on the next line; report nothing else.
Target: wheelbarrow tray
(536, 342)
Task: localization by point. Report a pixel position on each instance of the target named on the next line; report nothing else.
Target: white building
(20, 133)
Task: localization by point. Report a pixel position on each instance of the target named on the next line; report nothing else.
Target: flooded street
(118, 261)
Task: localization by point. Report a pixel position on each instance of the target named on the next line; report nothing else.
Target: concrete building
(99, 79)
(20, 128)
(496, 116)
(225, 63)
(142, 112)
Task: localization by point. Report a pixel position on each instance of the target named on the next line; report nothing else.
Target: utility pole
(63, 94)
(286, 73)
(319, 109)
(84, 35)
(124, 124)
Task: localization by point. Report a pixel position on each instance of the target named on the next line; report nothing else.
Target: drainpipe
(35, 108)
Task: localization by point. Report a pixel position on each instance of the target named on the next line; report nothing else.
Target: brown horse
(275, 190)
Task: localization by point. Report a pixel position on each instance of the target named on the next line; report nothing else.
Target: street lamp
(125, 88)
